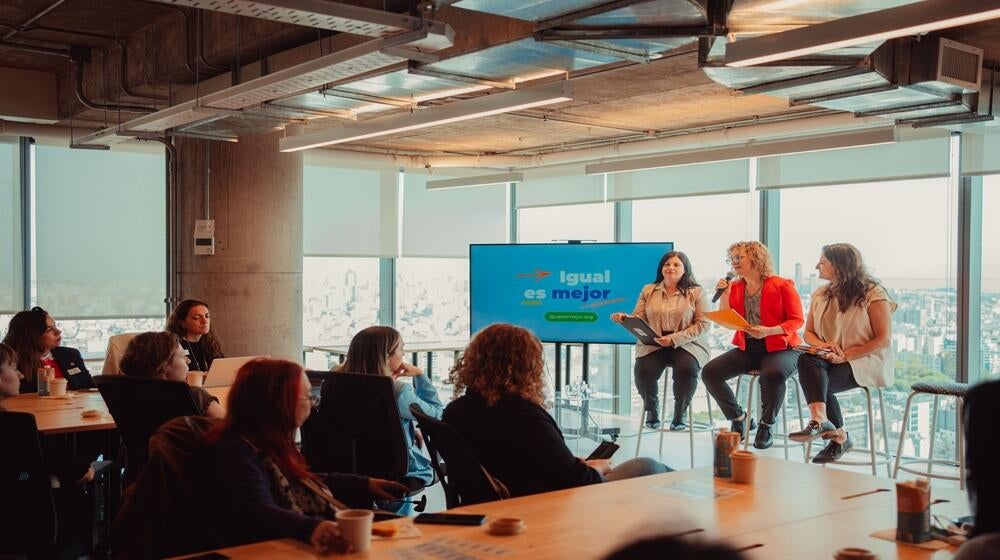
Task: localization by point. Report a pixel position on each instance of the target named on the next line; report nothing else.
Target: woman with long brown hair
(774, 310)
(262, 487)
(500, 416)
(36, 338)
(191, 321)
(158, 355)
(849, 329)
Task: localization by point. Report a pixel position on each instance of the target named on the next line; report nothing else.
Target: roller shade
(723, 177)
(980, 154)
(919, 158)
(560, 190)
(100, 233)
(349, 212)
(443, 222)
(11, 287)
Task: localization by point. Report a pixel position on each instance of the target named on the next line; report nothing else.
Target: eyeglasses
(733, 259)
(313, 399)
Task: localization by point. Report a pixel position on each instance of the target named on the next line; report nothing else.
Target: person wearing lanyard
(192, 323)
(36, 338)
(774, 310)
(674, 306)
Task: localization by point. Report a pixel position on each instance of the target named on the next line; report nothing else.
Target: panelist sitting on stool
(674, 303)
(500, 417)
(850, 327)
(773, 308)
(192, 323)
(33, 334)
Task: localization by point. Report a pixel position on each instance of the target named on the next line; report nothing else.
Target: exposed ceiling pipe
(34, 49)
(32, 19)
(93, 105)
(683, 142)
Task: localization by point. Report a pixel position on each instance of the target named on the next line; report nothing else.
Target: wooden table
(788, 502)
(61, 415)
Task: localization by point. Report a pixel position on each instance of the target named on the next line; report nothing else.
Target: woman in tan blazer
(674, 306)
(849, 329)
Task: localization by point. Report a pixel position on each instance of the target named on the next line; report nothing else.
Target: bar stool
(956, 390)
(754, 375)
(877, 457)
(692, 429)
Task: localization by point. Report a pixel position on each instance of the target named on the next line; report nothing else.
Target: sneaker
(833, 451)
(678, 426)
(764, 438)
(737, 426)
(653, 420)
(814, 429)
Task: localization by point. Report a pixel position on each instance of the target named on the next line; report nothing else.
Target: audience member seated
(35, 337)
(158, 355)
(70, 470)
(192, 323)
(674, 548)
(981, 465)
(849, 329)
(256, 479)
(379, 351)
(501, 418)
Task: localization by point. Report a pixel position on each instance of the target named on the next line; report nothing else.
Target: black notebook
(640, 330)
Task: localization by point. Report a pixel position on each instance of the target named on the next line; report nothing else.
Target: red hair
(261, 409)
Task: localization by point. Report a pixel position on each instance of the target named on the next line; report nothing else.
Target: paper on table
(727, 318)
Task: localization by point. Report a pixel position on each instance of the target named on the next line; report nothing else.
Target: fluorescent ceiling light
(902, 21)
(476, 181)
(435, 116)
(796, 146)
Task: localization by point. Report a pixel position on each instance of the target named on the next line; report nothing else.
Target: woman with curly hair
(774, 310)
(192, 323)
(849, 329)
(500, 416)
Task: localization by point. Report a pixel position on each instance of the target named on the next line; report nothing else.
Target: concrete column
(253, 282)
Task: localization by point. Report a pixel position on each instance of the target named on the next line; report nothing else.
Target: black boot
(652, 419)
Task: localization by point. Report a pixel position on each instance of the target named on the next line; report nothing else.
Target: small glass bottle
(42, 375)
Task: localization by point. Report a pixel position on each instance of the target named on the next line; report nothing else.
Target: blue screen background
(509, 284)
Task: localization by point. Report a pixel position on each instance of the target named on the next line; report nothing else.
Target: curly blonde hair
(502, 360)
(759, 256)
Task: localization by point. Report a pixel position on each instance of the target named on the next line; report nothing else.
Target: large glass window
(990, 306)
(432, 299)
(11, 291)
(100, 233)
(906, 232)
(339, 298)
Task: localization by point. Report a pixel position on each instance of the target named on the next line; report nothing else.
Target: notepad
(727, 318)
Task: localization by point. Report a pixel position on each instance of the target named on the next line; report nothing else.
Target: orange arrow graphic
(538, 274)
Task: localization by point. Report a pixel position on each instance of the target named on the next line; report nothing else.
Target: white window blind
(920, 158)
(559, 191)
(723, 177)
(100, 233)
(443, 222)
(980, 154)
(349, 212)
(11, 286)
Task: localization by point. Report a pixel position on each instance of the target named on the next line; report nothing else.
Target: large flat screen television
(563, 292)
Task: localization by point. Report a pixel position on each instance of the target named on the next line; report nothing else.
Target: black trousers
(650, 367)
(821, 381)
(775, 368)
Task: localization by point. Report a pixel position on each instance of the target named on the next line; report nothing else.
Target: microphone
(718, 293)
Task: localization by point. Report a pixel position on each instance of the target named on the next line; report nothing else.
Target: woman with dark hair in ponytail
(36, 338)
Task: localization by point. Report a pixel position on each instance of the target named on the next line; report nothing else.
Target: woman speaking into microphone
(673, 306)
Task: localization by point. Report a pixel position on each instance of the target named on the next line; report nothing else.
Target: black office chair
(980, 456)
(29, 519)
(357, 430)
(317, 377)
(139, 407)
(463, 477)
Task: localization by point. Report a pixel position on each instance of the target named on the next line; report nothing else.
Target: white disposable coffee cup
(356, 527)
(195, 378)
(57, 387)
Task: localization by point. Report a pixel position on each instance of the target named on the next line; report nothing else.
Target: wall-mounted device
(204, 237)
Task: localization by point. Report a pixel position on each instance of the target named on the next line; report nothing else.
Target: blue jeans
(640, 466)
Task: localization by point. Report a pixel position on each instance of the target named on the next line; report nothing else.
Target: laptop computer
(222, 372)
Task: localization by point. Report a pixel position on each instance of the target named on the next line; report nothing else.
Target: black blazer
(69, 360)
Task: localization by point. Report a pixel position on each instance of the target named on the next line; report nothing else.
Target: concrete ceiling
(171, 48)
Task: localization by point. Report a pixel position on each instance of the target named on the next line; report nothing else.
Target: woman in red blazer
(772, 306)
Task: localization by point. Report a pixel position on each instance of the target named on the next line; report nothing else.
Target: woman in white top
(849, 328)
(674, 306)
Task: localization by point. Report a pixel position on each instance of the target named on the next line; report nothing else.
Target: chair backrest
(463, 477)
(980, 456)
(357, 428)
(140, 406)
(28, 515)
(116, 350)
